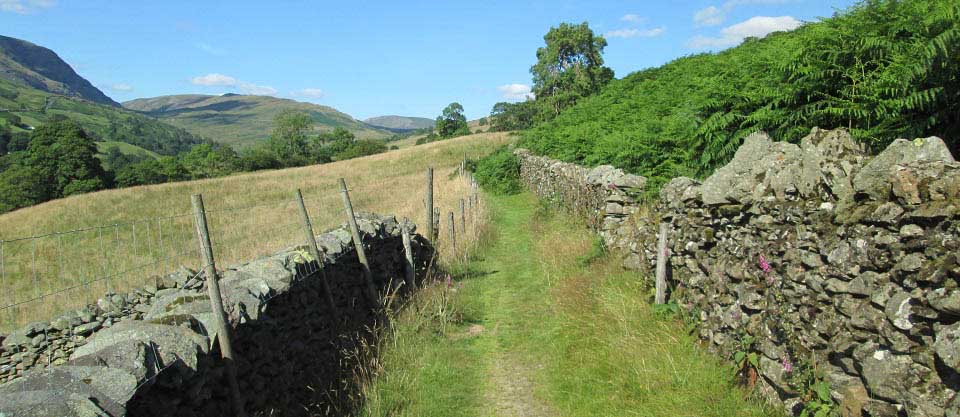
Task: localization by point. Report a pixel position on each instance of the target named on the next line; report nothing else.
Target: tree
(21, 186)
(65, 157)
(570, 66)
(289, 139)
(5, 136)
(209, 160)
(452, 122)
(512, 116)
(360, 148)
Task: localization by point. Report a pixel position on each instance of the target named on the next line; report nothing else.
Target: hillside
(41, 68)
(883, 69)
(400, 124)
(390, 182)
(241, 120)
(23, 107)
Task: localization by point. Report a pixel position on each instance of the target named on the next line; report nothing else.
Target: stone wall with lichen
(817, 262)
(153, 352)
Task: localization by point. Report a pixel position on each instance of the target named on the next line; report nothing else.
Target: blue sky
(371, 58)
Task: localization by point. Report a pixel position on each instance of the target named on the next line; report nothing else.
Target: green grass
(540, 324)
(125, 148)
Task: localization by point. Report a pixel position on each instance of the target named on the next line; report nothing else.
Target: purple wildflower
(787, 366)
(612, 186)
(764, 265)
(449, 281)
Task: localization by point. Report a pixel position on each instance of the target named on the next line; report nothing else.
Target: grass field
(125, 148)
(117, 239)
(542, 323)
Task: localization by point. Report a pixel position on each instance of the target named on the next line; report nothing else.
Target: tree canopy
(570, 66)
(452, 122)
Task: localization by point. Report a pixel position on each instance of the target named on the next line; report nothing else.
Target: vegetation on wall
(883, 69)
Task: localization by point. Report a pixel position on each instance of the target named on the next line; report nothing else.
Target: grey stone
(85, 329)
(898, 310)
(174, 343)
(945, 301)
(947, 345)
(911, 230)
(873, 178)
(883, 373)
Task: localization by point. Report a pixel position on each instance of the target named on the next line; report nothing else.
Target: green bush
(882, 69)
(499, 172)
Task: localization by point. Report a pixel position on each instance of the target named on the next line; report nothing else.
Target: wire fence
(48, 274)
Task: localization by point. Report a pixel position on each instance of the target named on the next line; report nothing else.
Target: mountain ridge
(400, 124)
(242, 120)
(42, 69)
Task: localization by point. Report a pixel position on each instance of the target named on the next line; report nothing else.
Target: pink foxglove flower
(764, 265)
(787, 366)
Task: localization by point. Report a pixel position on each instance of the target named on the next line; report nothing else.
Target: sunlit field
(66, 253)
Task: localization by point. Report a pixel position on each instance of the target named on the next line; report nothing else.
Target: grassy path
(542, 323)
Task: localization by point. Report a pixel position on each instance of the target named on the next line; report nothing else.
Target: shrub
(499, 172)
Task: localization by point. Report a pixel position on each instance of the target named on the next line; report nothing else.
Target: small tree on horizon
(452, 122)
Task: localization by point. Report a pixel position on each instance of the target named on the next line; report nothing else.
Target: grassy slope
(35, 107)
(125, 148)
(240, 120)
(391, 182)
(545, 325)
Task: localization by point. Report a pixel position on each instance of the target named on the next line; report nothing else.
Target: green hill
(241, 120)
(883, 69)
(41, 68)
(23, 107)
(400, 124)
(103, 148)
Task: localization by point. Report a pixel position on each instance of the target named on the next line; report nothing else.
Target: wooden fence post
(436, 223)
(429, 203)
(315, 251)
(662, 257)
(453, 235)
(411, 272)
(358, 244)
(216, 302)
(463, 218)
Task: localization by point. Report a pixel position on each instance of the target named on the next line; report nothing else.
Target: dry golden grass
(116, 240)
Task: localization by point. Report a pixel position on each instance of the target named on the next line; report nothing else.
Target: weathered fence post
(216, 302)
(411, 272)
(436, 223)
(429, 203)
(358, 244)
(453, 235)
(315, 251)
(463, 218)
(662, 257)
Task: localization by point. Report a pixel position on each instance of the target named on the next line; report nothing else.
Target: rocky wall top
(163, 360)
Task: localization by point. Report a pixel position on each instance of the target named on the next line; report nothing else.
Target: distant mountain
(400, 124)
(242, 120)
(40, 68)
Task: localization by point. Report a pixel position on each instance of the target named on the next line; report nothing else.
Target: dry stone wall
(822, 261)
(157, 355)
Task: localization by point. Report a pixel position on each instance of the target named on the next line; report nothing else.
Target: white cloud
(515, 91)
(25, 6)
(122, 87)
(710, 16)
(310, 93)
(635, 33)
(210, 49)
(633, 18)
(713, 15)
(757, 26)
(214, 79)
(257, 90)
